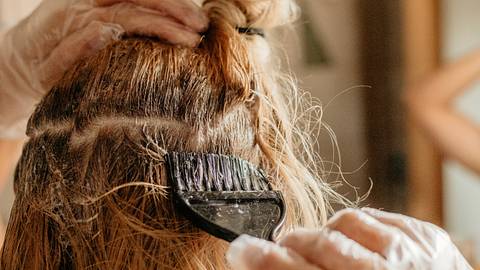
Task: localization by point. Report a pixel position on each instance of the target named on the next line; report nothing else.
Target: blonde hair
(90, 189)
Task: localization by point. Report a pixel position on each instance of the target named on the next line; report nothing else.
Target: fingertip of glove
(235, 254)
(247, 252)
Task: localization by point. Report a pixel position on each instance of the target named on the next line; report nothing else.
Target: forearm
(454, 134)
(446, 84)
(430, 105)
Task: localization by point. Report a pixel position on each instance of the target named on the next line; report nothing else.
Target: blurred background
(357, 57)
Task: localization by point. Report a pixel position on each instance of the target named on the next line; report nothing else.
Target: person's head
(90, 186)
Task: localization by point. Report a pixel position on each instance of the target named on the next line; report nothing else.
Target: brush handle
(227, 215)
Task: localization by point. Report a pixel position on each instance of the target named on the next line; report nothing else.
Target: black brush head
(224, 195)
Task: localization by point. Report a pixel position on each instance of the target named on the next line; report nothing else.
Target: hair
(90, 186)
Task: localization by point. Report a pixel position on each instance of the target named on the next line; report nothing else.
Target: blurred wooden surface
(9, 153)
(382, 69)
(422, 56)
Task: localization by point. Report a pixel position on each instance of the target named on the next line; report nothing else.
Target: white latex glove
(353, 239)
(35, 53)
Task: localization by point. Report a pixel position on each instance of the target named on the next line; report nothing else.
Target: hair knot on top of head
(260, 14)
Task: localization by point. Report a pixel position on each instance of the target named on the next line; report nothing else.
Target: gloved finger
(249, 253)
(367, 231)
(185, 11)
(142, 21)
(332, 250)
(398, 220)
(421, 232)
(83, 43)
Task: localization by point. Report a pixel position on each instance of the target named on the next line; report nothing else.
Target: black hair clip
(251, 31)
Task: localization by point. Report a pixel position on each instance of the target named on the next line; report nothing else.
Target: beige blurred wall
(338, 24)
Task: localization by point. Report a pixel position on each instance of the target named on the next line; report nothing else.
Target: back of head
(90, 186)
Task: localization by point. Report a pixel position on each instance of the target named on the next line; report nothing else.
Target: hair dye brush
(224, 195)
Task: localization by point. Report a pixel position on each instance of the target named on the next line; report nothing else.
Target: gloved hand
(353, 239)
(35, 53)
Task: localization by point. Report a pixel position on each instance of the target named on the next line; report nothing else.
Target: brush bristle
(213, 172)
